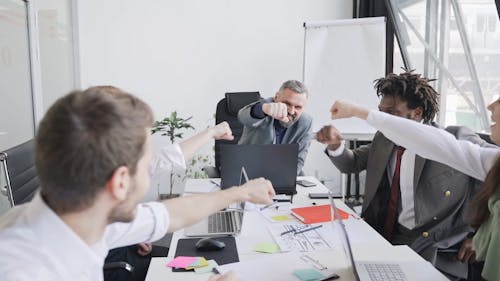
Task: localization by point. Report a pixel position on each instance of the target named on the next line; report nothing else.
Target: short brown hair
(81, 141)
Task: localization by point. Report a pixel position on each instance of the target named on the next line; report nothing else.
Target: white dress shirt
(35, 244)
(436, 144)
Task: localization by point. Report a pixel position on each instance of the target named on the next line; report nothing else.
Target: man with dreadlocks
(408, 199)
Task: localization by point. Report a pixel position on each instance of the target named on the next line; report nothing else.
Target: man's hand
(330, 136)
(222, 131)
(144, 249)
(343, 109)
(277, 110)
(230, 276)
(259, 191)
(467, 252)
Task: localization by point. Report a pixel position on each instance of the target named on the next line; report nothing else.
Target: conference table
(367, 244)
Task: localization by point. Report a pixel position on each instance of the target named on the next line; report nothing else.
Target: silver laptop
(375, 271)
(228, 222)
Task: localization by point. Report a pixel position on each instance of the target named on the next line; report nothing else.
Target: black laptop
(275, 162)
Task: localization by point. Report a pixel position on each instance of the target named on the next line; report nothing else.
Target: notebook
(316, 214)
(275, 162)
(381, 271)
(228, 222)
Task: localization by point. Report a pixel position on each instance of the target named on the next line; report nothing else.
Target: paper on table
(270, 248)
(272, 267)
(317, 239)
(308, 274)
(279, 212)
(181, 262)
(211, 265)
(200, 262)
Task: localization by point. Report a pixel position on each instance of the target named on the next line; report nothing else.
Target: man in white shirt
(93, 153)
(408, 199)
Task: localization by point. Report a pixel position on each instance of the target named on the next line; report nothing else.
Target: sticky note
(181, 262)
(211, 265)
(281, 218)
(199, 262)
(267, 248)
(308, 274)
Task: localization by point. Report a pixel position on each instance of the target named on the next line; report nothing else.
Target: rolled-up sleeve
(168, 158)
(150, 224)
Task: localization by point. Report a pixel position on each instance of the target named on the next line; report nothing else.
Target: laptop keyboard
(384, 272)
(221, 222)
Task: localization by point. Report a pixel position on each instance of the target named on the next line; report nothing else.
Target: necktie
(392, 208)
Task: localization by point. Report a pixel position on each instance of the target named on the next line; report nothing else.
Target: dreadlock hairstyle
(413, 89)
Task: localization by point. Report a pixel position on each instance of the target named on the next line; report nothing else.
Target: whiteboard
(342, 58)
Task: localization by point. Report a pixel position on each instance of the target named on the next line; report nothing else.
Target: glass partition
(458, 43)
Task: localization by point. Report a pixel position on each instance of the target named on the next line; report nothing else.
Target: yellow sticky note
(267, 248)
(201, 262)
(280, 218)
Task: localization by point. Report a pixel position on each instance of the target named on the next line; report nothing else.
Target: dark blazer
(261, 131)
(442, 197)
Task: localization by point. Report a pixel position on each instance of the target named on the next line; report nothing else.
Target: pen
(307, 229)
(267, 206)
(216, 183)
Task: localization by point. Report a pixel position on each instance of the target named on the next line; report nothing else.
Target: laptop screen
(339, 227)
(275, 162)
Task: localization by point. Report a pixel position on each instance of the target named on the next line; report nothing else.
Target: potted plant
(172, 127)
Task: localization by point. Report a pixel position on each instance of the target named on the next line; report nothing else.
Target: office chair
(18, 165)
(20, 174)
(227, 110)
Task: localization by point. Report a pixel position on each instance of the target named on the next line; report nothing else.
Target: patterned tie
(392, 209)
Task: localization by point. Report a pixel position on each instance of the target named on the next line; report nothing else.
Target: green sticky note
(308, 274)
(280, 218)
(267, 248)
(211, 265)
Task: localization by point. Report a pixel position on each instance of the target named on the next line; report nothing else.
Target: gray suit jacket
(442, 197)
(261, 131)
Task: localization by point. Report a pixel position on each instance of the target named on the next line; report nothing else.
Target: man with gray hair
(279, 120)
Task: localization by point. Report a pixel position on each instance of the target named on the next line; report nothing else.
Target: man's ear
(277, 96)
(119, 183)
(418, 113)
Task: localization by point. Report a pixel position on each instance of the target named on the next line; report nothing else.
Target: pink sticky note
(181, 262)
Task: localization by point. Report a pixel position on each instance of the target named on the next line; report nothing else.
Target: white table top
(367, 244)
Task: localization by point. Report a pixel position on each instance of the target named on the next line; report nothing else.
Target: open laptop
(226, 222)
(381, 271)
(275, 162)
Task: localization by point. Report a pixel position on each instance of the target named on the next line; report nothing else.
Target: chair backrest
(227, 110)
(21, 179)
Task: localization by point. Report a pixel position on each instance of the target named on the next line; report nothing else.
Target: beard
(292, 119)
(125, 210)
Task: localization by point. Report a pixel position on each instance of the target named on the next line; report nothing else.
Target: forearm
(188, 210)
(190, 146)
(432, 143)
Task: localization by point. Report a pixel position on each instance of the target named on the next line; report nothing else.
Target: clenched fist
(277, 110)
(330, 136)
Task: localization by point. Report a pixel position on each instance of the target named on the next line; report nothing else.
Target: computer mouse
(210, 244)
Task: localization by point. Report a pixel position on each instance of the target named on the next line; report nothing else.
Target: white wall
(184, 55)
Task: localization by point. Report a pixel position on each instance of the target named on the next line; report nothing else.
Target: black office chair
(227, 110)
(20, 174)
(18, 165)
